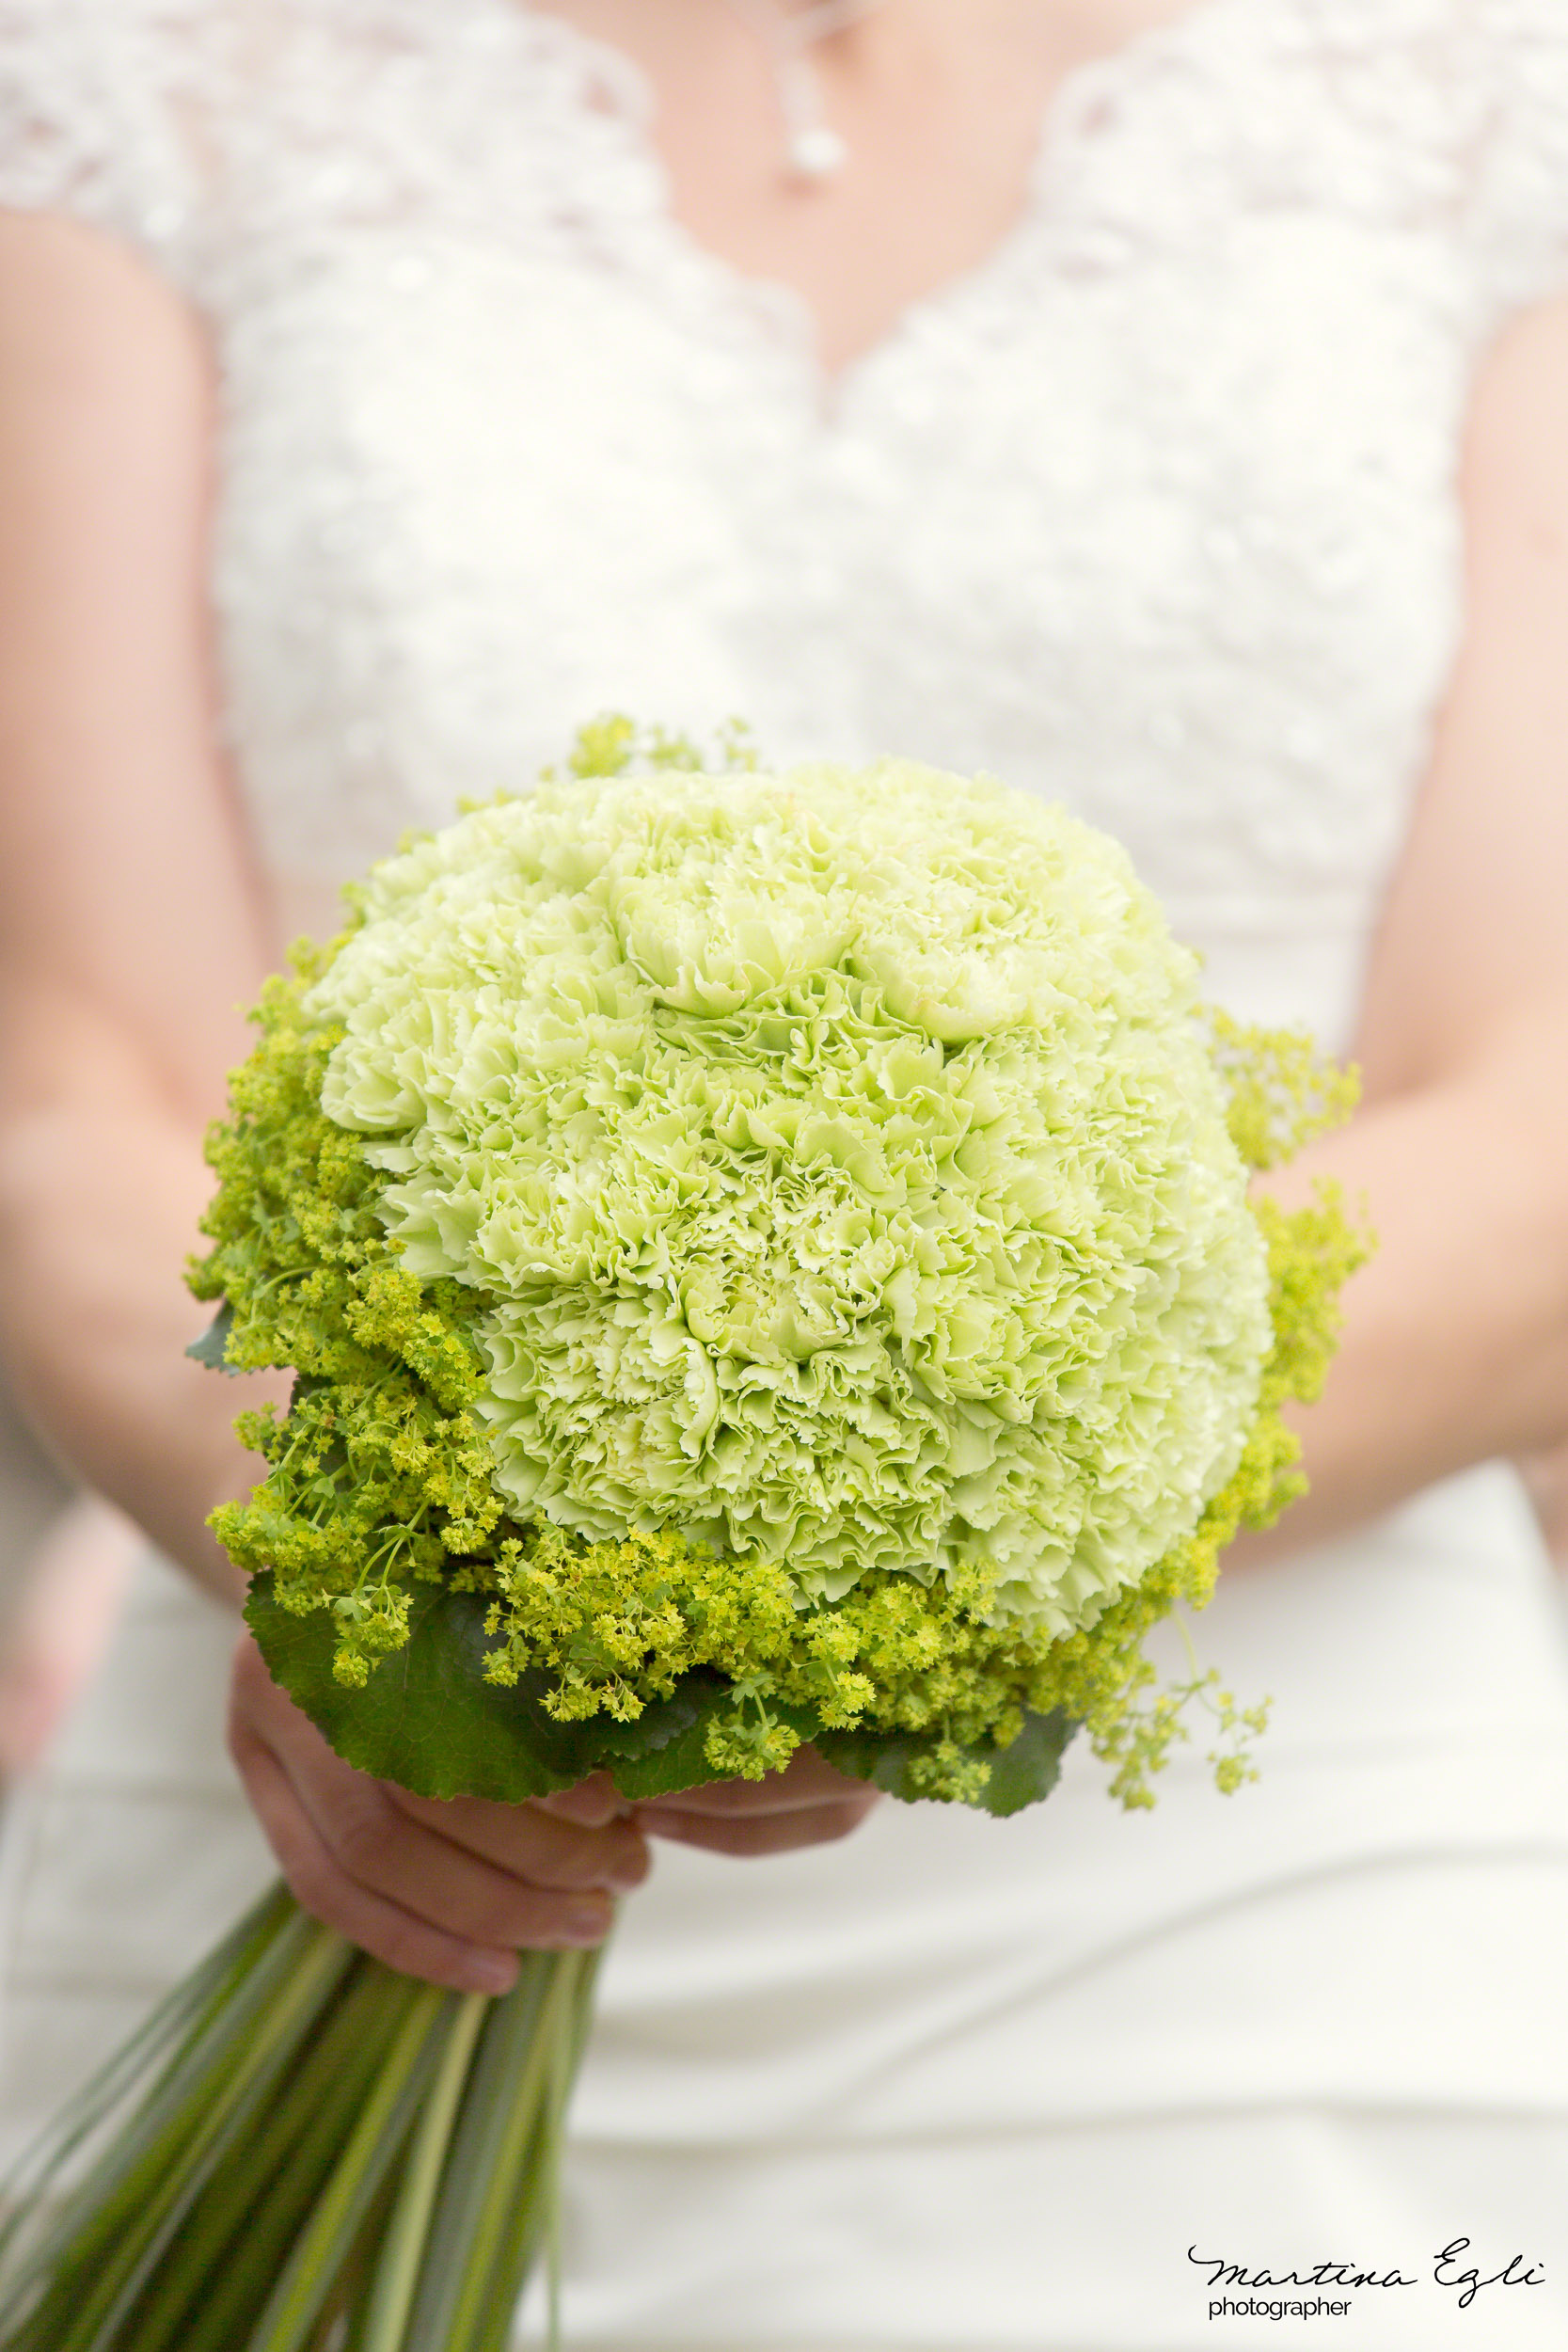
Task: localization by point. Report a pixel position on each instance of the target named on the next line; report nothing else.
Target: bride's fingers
(545, 1849)
(487, 1876)
(592, 1803)
(358, 1815)
(380, 1848)
(344, 1838)
(759, 1833)
(387, 1932)
(806, 1783)
(808, 1804)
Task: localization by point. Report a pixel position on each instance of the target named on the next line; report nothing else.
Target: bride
(389, 385)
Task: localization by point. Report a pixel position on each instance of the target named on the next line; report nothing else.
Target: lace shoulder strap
(196, 128)
(1462, 111)
(102, 108)
(1519, 210)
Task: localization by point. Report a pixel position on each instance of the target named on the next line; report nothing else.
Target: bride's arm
(1456, 1334)
(131, 929)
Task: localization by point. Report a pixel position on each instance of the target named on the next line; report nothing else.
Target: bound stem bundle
(309, 2154)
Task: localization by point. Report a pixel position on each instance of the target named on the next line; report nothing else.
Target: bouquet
(764, 1258)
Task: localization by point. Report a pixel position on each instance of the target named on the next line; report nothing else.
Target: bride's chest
(1172, 538)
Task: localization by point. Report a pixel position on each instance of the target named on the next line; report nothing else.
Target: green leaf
(1030, 1768)
(428, 1719)
(212, 1347)
(654, 1758)
(884, 1758)
(1019, 1774)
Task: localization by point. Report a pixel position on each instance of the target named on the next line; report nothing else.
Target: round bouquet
(764, 1258)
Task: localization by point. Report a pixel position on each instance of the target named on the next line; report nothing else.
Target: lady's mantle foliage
(780, 1227)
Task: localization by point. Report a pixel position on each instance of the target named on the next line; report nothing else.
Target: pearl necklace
(814, 151)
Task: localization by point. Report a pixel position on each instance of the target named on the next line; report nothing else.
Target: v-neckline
(1078, 104)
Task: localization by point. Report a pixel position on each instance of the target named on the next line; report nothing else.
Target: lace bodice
(1155, 512)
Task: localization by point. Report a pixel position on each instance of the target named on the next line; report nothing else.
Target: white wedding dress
(1155, 513)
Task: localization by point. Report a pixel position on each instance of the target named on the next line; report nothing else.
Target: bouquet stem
(303, 2152)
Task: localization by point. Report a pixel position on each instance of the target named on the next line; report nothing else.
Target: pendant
(817, 153)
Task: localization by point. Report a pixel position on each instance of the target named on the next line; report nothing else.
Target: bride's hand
(452, 1892)
(808, 1804)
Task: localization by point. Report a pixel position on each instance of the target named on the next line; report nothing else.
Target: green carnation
(841, 1163)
